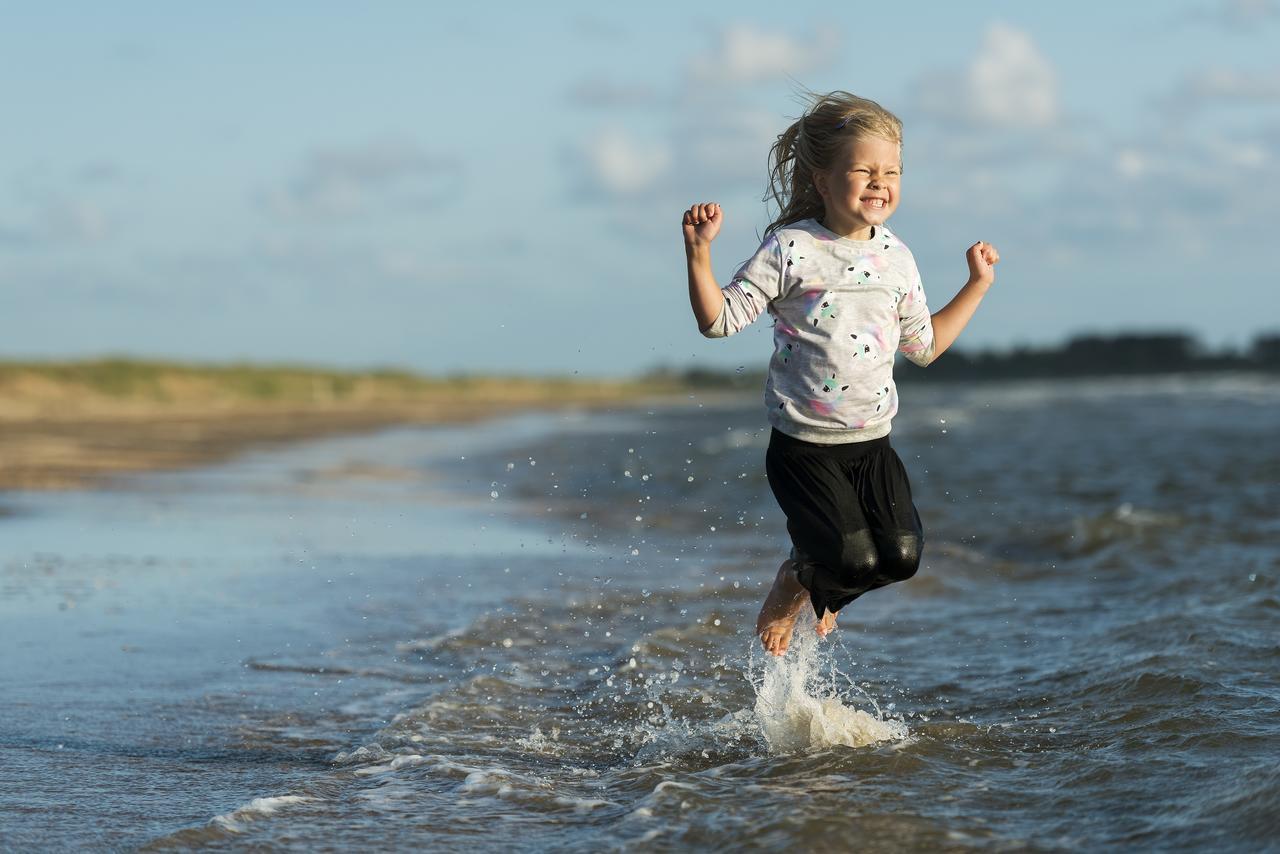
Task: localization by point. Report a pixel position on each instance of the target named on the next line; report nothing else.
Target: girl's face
(861, 187)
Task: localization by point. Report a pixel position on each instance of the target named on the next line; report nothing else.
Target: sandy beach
(69, 426)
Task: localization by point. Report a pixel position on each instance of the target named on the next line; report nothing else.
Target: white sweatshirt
(841, 309)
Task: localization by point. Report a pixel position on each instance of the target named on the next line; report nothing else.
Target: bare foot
(827, 624)
(781, 607)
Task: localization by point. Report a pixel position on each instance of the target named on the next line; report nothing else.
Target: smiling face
(860, 190)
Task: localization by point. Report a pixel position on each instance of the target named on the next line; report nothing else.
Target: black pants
(849, 513)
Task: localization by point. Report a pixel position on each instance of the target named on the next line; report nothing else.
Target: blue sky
(451, 190)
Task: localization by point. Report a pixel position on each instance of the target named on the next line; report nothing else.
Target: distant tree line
(1091, 355)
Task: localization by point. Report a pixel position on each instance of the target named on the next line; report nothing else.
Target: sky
(497, 188)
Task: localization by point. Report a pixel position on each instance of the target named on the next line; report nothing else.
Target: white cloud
(1218, 85)
(725, 144)
(1247, 14)
(1241, 154)
(620, 164)
(749, 55)
(1241, 17)
(1009, 84)
(60, 221)
(709, 136)
(78, 220)
(1131, 163)
(345, 181)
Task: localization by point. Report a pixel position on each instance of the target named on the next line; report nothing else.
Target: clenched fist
(982, 258)
(702, 224)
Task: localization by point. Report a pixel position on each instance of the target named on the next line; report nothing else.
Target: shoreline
(85, 450)
(63, 436)
(76, 424)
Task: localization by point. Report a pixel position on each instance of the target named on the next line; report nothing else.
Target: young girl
(845, 295)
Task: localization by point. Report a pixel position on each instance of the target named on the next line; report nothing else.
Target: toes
(769, 641)
(774, 639)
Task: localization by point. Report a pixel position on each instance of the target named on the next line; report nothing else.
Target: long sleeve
(756, 283)
(916, 337)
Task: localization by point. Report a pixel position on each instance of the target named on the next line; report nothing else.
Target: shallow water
(537, 633)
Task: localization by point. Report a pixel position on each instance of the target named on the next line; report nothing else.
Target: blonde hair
(812, 143)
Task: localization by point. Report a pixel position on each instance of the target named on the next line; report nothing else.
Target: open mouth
(874, 203)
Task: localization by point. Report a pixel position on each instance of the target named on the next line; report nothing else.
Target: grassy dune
(69, 424)
(127, 386)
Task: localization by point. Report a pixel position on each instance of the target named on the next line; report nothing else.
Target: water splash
(802, 700)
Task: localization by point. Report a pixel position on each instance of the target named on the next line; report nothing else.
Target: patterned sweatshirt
(841, 309)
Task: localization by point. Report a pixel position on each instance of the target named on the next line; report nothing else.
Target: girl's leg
(783, 604)
(884, 491)
(834, 547)
(827, 624)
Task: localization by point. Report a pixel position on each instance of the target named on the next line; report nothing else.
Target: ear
(820, 183)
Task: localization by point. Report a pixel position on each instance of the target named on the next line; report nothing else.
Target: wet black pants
(849, 513)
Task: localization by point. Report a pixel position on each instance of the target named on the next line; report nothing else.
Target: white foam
(581, 806)
(799, 709)
(369, 753)
(432, 643)
(409, 760)
(235, 820)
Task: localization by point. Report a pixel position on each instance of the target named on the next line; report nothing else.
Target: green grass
(129, 379)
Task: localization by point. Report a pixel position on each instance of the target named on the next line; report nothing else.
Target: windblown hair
(812, 143)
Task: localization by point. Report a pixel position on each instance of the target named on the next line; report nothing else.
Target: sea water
(537, 634)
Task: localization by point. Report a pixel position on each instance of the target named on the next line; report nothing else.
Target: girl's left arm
(952, 318)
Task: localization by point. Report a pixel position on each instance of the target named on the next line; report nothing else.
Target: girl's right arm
(701, 225)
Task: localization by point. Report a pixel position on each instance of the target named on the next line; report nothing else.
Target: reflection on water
(537, 633)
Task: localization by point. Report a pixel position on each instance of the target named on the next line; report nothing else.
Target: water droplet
(510, 466)
(493, 494)
(507, 642)
(690, 478)
(716, 622)
(635, 551)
